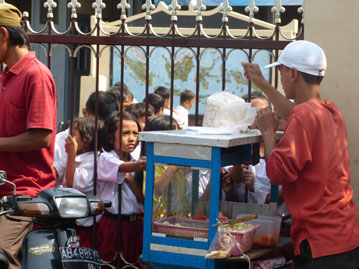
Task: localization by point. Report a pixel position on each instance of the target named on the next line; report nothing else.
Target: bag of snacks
(232, 240)
(224, 109)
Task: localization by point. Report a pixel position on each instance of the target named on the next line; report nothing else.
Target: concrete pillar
(334, 26)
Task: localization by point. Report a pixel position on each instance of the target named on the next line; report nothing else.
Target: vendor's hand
(254, 73)
(71, 146)
(248, 179)
(266, 121)
(227, 184)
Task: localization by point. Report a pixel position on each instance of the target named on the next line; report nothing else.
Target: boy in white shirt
(186, 103)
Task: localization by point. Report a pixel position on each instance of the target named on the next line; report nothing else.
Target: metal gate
(96, 39)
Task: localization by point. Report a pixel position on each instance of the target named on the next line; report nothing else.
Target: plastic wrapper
(228, 242)
(227, 110)
(270, 263)
(221, 244)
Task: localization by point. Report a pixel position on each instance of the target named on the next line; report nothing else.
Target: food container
(245, 240)
(267, 235)
(186, 227)
(182, 227)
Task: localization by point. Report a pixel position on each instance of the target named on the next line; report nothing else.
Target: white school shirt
(182, 117)
(108, 178)
(137, 152)
(60, 157)
(261, 185)
(166, 111)
(175, 115)
(204, 177)
(83, 181)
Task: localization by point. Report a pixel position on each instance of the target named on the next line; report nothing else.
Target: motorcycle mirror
(2, 177)
(3, 180)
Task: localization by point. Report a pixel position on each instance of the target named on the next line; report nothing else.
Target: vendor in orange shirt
(311, 161)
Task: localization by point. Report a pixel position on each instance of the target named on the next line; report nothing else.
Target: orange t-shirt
(312, 163)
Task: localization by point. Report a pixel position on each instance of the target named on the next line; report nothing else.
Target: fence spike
(74, 5)
(251, 9)
(199, 6)
(123, 6)
(277, 10)
(301, 11)
(148, 6)
(98, 6)
(226, 8)
(174, 6)
(50, 5)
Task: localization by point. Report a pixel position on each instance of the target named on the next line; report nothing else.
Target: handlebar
(3, 180)
(9, 211)
(107, 203)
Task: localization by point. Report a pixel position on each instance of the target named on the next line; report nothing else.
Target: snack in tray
(218, 254)
(237, 237)
(266, 241)
(182, 227)
(199, 216)
(237, 227)
(222, 218)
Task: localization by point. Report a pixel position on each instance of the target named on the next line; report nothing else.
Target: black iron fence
(97, 39)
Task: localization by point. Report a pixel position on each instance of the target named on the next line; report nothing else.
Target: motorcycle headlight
(72, 207)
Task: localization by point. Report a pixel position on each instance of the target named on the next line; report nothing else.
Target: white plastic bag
(224, 109)
(237, 116)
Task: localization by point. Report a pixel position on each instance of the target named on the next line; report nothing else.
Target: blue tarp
(237, 2)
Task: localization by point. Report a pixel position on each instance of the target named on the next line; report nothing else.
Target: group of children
(120, 164)
(117, 162)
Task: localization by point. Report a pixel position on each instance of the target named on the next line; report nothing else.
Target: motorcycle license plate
(80, 258)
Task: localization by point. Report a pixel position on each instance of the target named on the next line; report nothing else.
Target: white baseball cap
(304, 56)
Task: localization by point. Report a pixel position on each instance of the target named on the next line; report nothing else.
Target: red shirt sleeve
(41, 100)
(291, 154)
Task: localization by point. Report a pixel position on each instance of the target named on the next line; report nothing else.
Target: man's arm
(267, 122)
(281, 104)
(30, 140)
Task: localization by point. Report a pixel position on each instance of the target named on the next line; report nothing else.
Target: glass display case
(179, 193)
(183, 190)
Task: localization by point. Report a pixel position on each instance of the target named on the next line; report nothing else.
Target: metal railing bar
(155, 41)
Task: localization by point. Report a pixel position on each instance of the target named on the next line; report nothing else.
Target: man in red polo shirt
(311, 161)
(28, 124)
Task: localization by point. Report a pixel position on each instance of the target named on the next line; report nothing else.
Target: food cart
(178, 238)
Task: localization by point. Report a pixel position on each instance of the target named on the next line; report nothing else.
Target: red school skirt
(85, 234)
(131, 238)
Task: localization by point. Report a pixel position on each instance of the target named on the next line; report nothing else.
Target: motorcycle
(56, 244)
